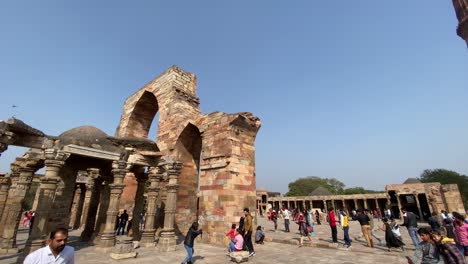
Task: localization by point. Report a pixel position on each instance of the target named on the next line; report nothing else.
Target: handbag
(310, 229)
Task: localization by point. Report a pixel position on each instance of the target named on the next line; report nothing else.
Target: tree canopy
(447, 177)
(304, 186)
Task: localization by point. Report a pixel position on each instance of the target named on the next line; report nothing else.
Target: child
(447, 249)
(237, 243)
(230, 235)
(188, 242)
(259, 235)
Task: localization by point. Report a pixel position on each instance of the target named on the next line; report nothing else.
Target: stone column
(14, 176)
(89, 186)
(75, 210)
(5, 183)
(108, 235)
(12, 212)
(49, 182)
(366, 205)
(399, 205)
(102, 211)
(419, 206)
(167, 242)
(355, 204)
(139, 204)
(148, 234)
(344, 206)
(325, 205)
(89, 219)
(377, 207)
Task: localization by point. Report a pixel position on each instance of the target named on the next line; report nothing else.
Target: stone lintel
(91, 152)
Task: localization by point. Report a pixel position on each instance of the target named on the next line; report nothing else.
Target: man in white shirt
(285, 213)
(55, 252)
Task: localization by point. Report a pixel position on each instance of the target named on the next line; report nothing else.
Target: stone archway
(188, 150)
(144, 111)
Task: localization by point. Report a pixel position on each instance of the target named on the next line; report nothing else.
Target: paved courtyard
(280, 247)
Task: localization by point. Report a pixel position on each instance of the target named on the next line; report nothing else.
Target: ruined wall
(184, 133)
(461, 11)
(453, 199)
(227, 182)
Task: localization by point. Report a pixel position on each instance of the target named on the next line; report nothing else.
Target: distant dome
(320, 191)
(411, 181)
(87, 136)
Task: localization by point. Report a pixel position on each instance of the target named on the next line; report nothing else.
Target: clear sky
(368, 92)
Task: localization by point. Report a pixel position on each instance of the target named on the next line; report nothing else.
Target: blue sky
(368, 92)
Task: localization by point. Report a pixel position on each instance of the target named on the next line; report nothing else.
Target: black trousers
(248, 241)
(334, 234)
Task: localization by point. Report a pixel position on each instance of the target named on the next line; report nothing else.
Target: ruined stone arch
(136, 121)
(187, 149)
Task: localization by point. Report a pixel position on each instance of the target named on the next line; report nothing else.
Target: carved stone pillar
(5, 183)
(103, 207)
(148, 234)
(90, 217)
(355, 204)
(108, 235)
(77, 205)
(344, 206)
(14, 176)
(167, 242)
(138, 205)
(366, 205)
(399, 206)
(421, 216)
(46, 194)
(87, 199)
(377, 207)
(12, 212)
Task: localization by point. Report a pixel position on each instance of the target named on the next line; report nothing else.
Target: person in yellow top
(248, 230)
(345, 227)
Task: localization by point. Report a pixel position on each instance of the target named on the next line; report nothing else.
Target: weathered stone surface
(461, 10)
(239, 257)
(123, 248)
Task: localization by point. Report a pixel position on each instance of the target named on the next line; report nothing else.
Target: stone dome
(87, 136)
(411, 181)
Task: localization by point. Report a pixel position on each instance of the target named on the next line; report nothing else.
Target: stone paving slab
(271, 252)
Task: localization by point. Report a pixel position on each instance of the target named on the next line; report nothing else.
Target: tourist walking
(448, 228)
(372, 226)
(248, 230)
(303, 230)
(391, 240)
(410, 221)
(364, 221)
(332, 223)
(274, 218)
(55, 252)
(461, 233)
(122, 222)
(192, 233)
(285, 214)
(317, 217)
(345, 226)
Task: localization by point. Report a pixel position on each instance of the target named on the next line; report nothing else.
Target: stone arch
(188, 150)
(143, 108)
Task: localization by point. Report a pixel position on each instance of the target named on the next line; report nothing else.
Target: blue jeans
(346, 239)
(463, 249)
(231, 247)
(286, 225)
(189, 253)
(413, 233)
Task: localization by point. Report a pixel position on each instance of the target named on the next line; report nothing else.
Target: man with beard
(55, 252)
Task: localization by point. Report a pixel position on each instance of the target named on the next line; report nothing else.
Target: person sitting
(237, 243)
(259, 235)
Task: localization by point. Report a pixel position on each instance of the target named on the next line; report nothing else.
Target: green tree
(448, 177)
(304, 186)
(358, 190)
